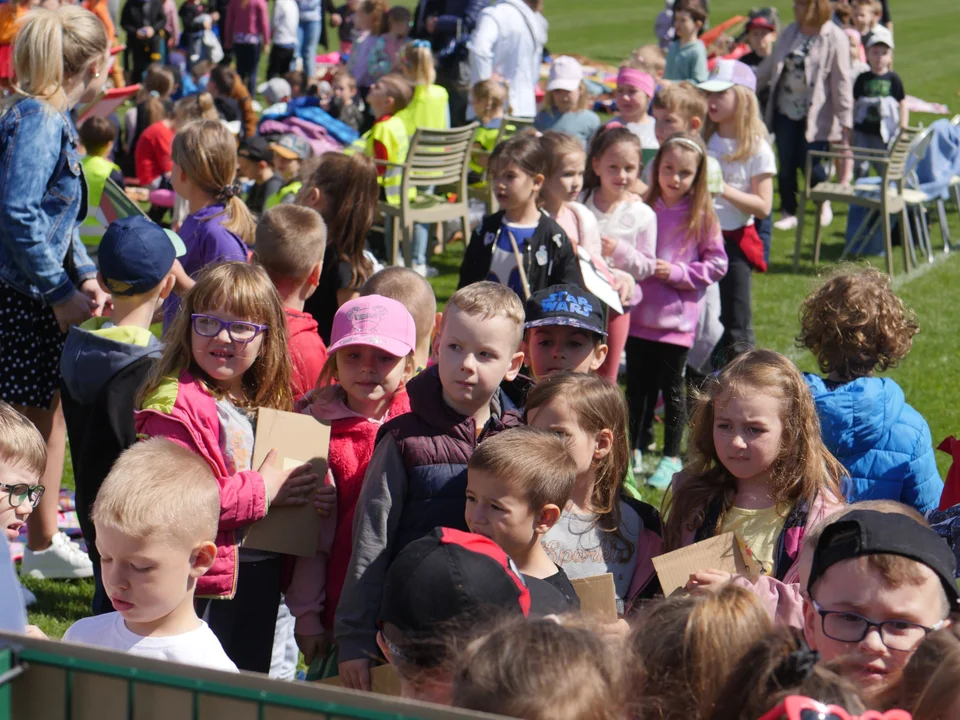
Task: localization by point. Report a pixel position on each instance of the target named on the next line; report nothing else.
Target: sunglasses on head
(797, 707)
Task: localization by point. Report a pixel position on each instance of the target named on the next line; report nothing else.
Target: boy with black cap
(879, 583)
(256, 163)
(565, 329)
(105, 360)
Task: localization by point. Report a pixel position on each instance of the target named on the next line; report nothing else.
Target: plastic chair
(483, 189)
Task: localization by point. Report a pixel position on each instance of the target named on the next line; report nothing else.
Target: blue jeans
(418, 245)
(792, 148)
(765, 231)
(309, 37)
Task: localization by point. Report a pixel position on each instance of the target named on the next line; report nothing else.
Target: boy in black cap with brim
(565, 329)
(438, 592)
(879, 583)
(256, 163)
(105, 361)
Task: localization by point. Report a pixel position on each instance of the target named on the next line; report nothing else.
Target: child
(246, 32)
(416, 478)
(344, 106)
(488, 99)
(371, 360)
(519, 668)
(255, 161)
(143, 23)
(649, 58)
(635, 89)
(517, 485)
(866, 17)
(23, 458)
(756, 466)
(761, 37)
(564, 330)
(289, 152)
(291, 242)
(736, 137)
(687, 56)
(225, 356)
(386, 52)
(371, 21)
(519, 246)
(601, 529)
(220, 226)
(286, 24)
(855, 325)
(880, 108)
(412, 290)
(192, 18)
(105, 361)
(346, 27)
(155, 539)
(877, 570)
(97, 135)
(927, 688)
(688, 644)
(858, 56)
(564, 107)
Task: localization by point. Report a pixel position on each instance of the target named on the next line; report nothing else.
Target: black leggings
(655, 367)
(736, 307)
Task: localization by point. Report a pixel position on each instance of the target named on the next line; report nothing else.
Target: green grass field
(608, 30)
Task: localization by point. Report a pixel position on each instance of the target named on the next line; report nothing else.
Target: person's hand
(324, 499)
(310, 645)
(355, 674)
(74, 310)
(662, 271)
(618, 630)
(608, 245)
(336, 20)
(625, 287)
(35, 632)
(215, 16)
(707, 581)
(430, 24)
(92, 289)
(148, 32)
(287, 488)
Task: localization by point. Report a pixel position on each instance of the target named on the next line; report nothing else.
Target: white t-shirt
(739, 175)
(197, 647)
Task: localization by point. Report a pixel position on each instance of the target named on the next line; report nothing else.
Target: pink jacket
(182, 410)
(670, 309)
(246, 18)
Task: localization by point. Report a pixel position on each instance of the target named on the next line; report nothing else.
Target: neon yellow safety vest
(96, 170)
(278, 197)
(392, 134)
(486, 138)
(428, 109)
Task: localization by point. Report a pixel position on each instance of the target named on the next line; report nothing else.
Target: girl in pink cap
(361, 386)
(635, 90)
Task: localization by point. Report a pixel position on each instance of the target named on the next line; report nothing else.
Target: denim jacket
(42, 200)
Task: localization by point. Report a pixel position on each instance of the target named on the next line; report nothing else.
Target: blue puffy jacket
(883, 443)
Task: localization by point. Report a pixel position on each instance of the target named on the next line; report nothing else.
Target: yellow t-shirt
(757, 531)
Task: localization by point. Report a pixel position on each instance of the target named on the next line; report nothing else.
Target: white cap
(565, 74)
(879, 35)
(275, 90)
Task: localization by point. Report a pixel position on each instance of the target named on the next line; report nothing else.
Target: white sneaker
(427, 271)
(826, 214)
(63, 559)
(786, 222)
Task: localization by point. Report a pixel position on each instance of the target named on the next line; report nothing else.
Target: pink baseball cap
(565, 74)
(376, 321)
(726, 74)
(639, 79)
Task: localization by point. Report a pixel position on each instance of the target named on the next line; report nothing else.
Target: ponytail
(52, 46)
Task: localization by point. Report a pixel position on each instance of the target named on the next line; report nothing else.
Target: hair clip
(796, 667)
(422, 44)
(153, 93)
(227, 192)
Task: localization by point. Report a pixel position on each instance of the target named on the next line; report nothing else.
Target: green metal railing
(46, 680)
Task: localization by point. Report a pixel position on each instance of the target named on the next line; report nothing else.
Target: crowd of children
(483, 461)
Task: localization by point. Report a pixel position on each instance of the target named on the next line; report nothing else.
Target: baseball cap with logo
(565, 74)
(568, 305)
(292, 147)
(376, 321)
(136, 254)
(726, 74)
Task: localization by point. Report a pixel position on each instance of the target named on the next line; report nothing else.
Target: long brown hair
(686, 644)
(597, 404)
(928, 685)
(603, 141)
(348, 184)
(245, 291)
(207, 153)
(803, 468)
(702, 217)
(157, 85)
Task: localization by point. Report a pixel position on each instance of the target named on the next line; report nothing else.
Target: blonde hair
(516, 670)
(397, 87)
(685, 646)
(683, 99)
(537, 464)
(291, 240)
(558, 146)
(702, 218)
(51, 46)
(247, 292)
(649, 58)
(750, 132)
(418, 61)
(21, 444)
(410, 288)
(488, 300)
(207, 153)
(489, 99)
(583, 99)
(159, 488)
(802, 470)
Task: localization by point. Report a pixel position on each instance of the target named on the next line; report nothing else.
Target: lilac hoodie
(669, 310)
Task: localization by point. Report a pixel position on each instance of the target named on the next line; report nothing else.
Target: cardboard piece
(598, 597)
(718, 553)
(383, 680)
(598, 280)
(297, 439)
(106, 104)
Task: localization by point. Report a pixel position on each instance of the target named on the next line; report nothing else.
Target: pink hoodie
(669, 311)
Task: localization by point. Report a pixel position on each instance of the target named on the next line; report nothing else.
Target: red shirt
(153, 154)
(308, 354)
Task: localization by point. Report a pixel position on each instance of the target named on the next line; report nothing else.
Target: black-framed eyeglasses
(852, 628)
(238, 330)
(21, 491)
